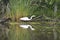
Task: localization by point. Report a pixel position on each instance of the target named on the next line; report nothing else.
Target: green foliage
(21, 8)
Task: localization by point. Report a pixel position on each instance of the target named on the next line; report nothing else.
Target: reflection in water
(4, 30)
(27, 26)
(39, 33)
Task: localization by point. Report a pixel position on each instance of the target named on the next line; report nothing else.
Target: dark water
(41, 32)
(4, 29)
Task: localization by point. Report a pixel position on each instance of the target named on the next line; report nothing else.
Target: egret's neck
(31, 17)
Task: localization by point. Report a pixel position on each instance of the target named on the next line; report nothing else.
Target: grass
(21, 8)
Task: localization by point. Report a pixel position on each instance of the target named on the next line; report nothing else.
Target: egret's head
(33, 15)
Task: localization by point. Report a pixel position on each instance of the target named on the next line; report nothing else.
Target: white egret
(26, 18)
(27, 26)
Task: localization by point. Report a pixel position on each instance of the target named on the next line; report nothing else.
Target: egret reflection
(27, 26)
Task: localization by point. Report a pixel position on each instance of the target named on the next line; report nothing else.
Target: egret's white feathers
(26, 18)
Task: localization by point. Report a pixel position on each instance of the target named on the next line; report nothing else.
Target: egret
(26, 18)
(27, 26)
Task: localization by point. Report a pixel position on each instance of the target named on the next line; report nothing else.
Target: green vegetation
(20, 8)
(45, 30)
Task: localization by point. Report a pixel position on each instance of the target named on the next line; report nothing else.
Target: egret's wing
(24, 18)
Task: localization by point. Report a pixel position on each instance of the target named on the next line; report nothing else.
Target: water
(4, 31)
(27, 26)
(41, 32)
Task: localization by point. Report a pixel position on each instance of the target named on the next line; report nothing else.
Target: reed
(20, 8)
